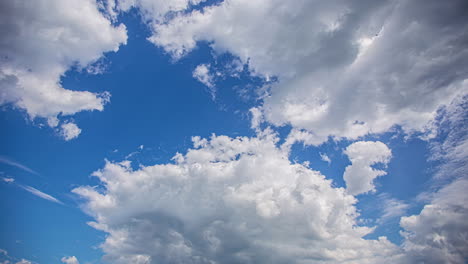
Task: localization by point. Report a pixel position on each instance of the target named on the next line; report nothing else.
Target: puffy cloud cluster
(359, 176)
(228, 200)
(43, 39)
(70, 131)
(70, 260)
(344, 68)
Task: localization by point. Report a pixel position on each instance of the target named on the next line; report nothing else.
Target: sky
(235, 131)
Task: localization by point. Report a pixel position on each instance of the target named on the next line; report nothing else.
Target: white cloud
(43, 39)
(256, 118)
(325, 158)
(392, 207)
(203, 75)
(345, 68)
(359, 176)
(69, 131)
(40, 194)
(8, 180)
(70, 260)
(232, 200)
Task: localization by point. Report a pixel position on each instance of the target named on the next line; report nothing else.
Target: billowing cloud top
(235, 200)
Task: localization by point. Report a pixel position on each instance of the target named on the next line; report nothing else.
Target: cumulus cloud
(69, 131)
(230, 200)
(43, 39)
(359, 176)
(344, 68)
(70, 260)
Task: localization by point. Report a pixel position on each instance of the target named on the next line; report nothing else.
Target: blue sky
(235, 132)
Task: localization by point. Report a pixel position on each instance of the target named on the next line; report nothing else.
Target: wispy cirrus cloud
(41, 194)
(16, 164)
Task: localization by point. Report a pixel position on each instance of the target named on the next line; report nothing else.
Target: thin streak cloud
(41, 194)
(18, 165)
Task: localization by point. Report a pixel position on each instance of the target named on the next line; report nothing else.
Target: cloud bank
(344, 68)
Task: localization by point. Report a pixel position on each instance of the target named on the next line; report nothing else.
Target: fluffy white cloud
(69, 131)
(345, 68)
(359, 176)
(43, 39)
(228, 200)
(70, 260)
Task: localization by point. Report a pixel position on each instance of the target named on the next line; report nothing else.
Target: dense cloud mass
(345, 68)
(240, 200)
(229, 200)
(40, 41)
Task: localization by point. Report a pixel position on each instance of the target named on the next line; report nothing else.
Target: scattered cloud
(8, 180)
(7, 259)
(359, 176)
(70, 260)
(203, 75)
(40, 194)
(325, 158)
(69, 131)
